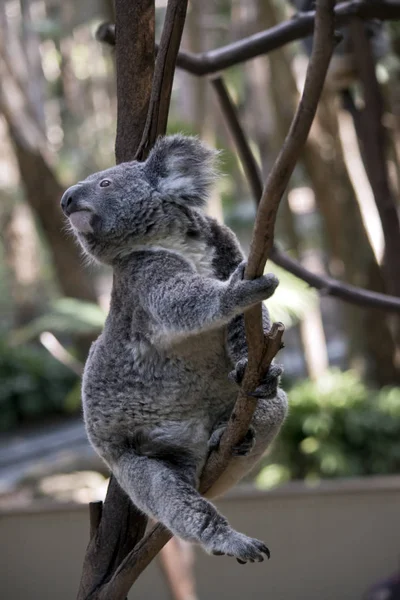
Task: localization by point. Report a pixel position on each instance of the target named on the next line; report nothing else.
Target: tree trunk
(43, 194)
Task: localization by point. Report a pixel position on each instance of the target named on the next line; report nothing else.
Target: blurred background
(342, 362)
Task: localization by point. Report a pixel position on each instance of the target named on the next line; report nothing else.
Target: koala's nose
(69, 201)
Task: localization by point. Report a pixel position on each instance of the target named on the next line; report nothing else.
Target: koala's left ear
(183, 168)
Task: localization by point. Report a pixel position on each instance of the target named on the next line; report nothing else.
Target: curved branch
(299, 27)
(326, 285)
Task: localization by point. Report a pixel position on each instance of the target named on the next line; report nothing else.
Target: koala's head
(138, 203)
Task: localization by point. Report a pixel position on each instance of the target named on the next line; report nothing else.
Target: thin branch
(260, 355)
(332, 287)
(157, 115)
(299, 27)
(326, 285)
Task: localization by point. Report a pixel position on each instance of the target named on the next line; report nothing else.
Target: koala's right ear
(182, 168)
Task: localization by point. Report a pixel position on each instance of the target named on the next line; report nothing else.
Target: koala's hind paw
(238, 545)
(269, 383)
(246, 445)
(244, 448)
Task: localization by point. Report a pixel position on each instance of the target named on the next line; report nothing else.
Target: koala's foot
(238, 545)
(243, 449)
(269, 383)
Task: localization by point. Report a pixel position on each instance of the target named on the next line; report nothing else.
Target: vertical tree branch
(134, 33)
(157, 115)
(372, 137)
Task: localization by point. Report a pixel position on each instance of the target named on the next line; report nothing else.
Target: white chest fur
(197, 252)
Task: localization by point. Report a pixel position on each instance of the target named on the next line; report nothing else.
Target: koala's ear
(182, 168)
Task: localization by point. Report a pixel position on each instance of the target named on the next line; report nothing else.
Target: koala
(161, 380)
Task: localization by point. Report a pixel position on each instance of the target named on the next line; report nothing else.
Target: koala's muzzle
(78, 212)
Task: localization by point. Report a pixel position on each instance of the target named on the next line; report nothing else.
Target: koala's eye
(105, 183)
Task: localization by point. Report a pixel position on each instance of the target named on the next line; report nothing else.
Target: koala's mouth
(81, 220)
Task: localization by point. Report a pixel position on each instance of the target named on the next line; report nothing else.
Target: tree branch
(300, 26)
(326, 285)
(134, 66)
(157, 115)
(261, 351)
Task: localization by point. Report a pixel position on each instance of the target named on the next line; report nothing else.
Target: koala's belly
(142, 385)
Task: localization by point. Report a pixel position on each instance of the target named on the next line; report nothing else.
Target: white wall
(329, 543)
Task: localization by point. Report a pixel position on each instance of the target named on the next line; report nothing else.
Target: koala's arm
(268, 417)
(181, 301)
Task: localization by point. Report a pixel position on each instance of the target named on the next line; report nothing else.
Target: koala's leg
(165, 492)
(267, 420)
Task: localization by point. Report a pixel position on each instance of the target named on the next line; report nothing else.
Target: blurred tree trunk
(43, 193)
(21, 258)
(177, 564)
(42, 188)
(372, 136)
(200, 37)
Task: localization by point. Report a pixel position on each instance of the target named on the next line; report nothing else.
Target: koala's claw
(246, 445)
(269, 384)
(244, 448)
(238, 273)
(241, 547)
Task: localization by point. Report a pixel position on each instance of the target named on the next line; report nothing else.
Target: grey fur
(156, 387)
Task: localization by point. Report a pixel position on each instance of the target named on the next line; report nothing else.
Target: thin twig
(259, 354)
(326, 285)
(299, 27)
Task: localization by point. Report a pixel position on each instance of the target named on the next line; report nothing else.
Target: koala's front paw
(243, 449)
(269, 384)
(246, 292)
(240, 546)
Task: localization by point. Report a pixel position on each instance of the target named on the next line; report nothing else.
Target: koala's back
(132, 379)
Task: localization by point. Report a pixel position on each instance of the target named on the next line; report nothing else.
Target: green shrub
(32, 383)
(336, 427)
